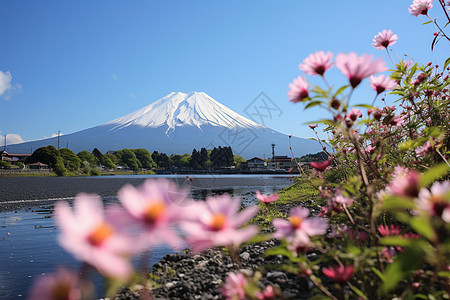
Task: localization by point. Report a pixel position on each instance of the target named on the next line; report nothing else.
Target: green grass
(295, 195)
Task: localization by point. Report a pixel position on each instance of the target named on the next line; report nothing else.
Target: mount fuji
(176, 124)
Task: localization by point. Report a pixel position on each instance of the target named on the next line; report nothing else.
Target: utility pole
(4, 148)
(58, 139)
(273, 152)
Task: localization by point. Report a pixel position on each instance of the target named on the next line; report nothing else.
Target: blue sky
(77, 64)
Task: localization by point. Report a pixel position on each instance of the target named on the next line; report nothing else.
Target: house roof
(39, 164)
(255, 158)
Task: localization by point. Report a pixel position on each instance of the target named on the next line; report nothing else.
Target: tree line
(65, 161)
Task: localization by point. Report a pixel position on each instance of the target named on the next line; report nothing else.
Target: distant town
(64, 162)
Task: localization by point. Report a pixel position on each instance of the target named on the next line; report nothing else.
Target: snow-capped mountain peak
(181, 109)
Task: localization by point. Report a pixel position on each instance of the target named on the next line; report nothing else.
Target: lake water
(28, 236)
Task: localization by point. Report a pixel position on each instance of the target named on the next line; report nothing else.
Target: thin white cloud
(6, 88)
(13, 138)
(5, 82)
(53, 135)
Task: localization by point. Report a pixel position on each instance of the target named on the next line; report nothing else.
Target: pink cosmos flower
(435, 201)
(217, 221)
(156, 206)
(320, 165)
(91, 237)
(317, 63)
(384, 39)
(267, 199)
(389, 230)
(354, 114)
(357, 68)
(63, 284)
(405, 183)
(299, 225)
(267, 294)
(298, 90)
(382, 83)
(420, 7)
(235, 284)
(340, 274)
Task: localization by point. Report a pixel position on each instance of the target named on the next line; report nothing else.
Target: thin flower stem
(348, 214)
(442, 156)
(373, 101)
(445, 11)
(326, 82)
(321, 287)
(390, 56)
(300, 169)
(234, 256)
(437, 25)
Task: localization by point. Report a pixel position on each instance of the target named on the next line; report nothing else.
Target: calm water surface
(28, 237)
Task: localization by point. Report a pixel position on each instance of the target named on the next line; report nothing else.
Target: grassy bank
(301, 193)
(28, 173)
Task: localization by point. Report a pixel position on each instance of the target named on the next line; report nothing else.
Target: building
(13, 158)
(256, 164)
(281, 163)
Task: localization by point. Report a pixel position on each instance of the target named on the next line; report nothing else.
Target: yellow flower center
(218, 222)
(154, 211)
(295, 221)
(100, 234)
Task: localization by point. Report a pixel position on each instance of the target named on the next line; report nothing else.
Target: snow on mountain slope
(181, 109)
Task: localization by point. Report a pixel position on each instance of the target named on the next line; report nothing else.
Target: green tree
(87, 156)
(145, 158)
(59, 167)
(128, 158)
(70, 160)
(238, 160)
(46, 155)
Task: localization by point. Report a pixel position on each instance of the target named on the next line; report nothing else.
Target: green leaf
(434, 174)
(394, 202)
(427, 22)
(447, 62)
(278, 251)
(423, 227)
(379, 274)
(364, 105)
(340, 90)
(404, 264)
(313, 103)
(325, 121)
(357, 291)
(396, 241)
(444, 274)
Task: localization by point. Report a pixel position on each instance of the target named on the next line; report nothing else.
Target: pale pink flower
(299, 225)
(91, 237)
(405, 183)
(298, 90)
(435, 201)
(397, 121)
(424, 149)
(267, 294)
(354, 114)
(217, 221)
(317, 63)
(340, 274)
(267, 199)
(234, 288)
(313, 126)
(63, 284)
(384, 39)
(382, 83)
(420, 7)
(341, 199)
(357, 68)
(389, 230)
(156, 205)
